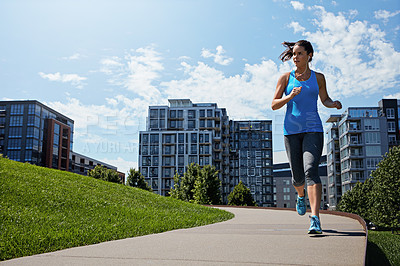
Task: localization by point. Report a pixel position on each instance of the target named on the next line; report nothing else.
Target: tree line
(199, 185)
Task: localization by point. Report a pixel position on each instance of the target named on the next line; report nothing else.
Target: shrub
(241, 196)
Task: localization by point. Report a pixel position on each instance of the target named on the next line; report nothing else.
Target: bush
(241, 196)
(102, 173)
(385, 211)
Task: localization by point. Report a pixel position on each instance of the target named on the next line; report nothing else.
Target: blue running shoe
(301, 206)
(315, 227)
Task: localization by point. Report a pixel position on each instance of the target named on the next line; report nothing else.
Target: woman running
(303, 131)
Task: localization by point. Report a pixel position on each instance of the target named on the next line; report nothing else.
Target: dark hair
(288, 53)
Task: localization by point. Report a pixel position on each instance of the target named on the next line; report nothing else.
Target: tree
(199, 185)
(386, 191)
(241, 196)
(102, 173)
(378, 199)
(183, 187)
(358, 200)
(136, 179)
(207, 186)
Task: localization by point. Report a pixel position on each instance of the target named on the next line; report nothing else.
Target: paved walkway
(253, 237)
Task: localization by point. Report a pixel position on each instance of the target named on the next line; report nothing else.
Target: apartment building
(184, 132)
(250, 159)
(180, 134)
(33, 132)
(357, 140)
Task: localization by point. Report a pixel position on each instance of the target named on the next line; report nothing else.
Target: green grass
(383, 248)
(43, 210)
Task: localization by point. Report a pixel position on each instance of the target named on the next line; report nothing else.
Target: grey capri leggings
(304, 152)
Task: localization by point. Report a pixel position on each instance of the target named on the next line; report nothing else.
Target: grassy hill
(43, 210)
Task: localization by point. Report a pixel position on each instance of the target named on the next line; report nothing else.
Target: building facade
(178, 135)
(357, 140)
(184, 132)
(285, 196)
(251, 159)
(33, 132)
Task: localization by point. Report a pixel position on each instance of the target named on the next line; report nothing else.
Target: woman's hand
(337, 105)
(294, 92)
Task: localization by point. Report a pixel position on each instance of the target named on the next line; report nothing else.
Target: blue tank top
(302, 111)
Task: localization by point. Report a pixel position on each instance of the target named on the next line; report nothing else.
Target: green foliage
(383, 248)
(378, 199)
(386, 192)
(136, 179)
(358, 200)
(207, 186)
(199, 185)
(241, 196)
(44, 210)
(102, 173)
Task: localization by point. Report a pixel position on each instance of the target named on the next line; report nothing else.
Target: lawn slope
(43, 210)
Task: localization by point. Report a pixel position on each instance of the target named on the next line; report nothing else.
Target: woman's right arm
(278, 102)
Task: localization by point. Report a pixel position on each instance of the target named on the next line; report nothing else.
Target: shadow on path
(338, 233)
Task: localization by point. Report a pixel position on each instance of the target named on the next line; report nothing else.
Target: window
(373, 150)
(16, 132)
(193, 149)
(192, 114)
(191, 124)
(14, 155)
(209, 113)
(392, 139)
(31, 109)
(17, 109)
(390, 113)
(14, 144)
(372, 162)
(153, 113)
(371, 124)
(193, 138)
(162, 113)
(372, 138)
(391, 126)
(154, 150)
(286, 197)
(155, 161)
(172, 113)
(145, 138)
(154, 138)
(202, 113)
(16, 120)
(153, 123)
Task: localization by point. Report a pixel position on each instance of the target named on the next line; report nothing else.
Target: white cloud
(297, 5)
(74, 79)
(245, 96)
(385, 15)
(75, 56)
(296, 27)
(353, 55)
(392, 96)
(138, 72)
(219, 56)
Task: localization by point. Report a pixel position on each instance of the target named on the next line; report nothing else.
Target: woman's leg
(312, 148)
(294, 151)
(314, 196)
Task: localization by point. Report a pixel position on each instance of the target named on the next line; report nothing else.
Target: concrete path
(253, 237)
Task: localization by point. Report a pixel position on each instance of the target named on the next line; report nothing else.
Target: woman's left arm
(323, 94)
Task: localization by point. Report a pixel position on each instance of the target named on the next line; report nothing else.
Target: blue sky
(102, 63)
